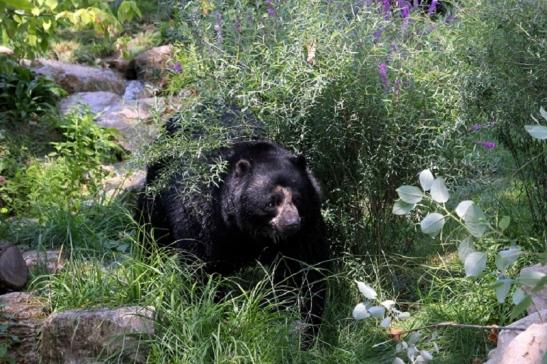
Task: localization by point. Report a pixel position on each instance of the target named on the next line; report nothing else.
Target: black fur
(228, 226)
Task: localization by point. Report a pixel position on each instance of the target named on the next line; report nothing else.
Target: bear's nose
(291, 224)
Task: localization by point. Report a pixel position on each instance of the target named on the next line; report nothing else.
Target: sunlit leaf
(388, 304)
(360, 312)
(398, 361)
(502, 287)
(426, 179)
(377, 311)
(530, 278)
(537, 131)
(366, 290)
(439, 192)
(474, 264)
(410, 194)
(519, 296)
(426, 355)
(475, 221)
(432, 224)
(465, 248)
(462, 208)
(402, 208)
(506, 257)
(403, 316)
(386, 322)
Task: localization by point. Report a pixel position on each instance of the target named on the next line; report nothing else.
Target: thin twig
(466, 326)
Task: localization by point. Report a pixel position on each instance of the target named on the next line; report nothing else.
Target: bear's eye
(275, 200)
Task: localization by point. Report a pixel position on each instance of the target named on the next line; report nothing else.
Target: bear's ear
(300, 161)
(243, 166)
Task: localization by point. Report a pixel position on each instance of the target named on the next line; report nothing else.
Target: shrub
(369, 96)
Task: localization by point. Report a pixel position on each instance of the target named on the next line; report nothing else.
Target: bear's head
(270, 192)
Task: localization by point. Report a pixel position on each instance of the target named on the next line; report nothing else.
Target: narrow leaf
(504, 223)
(432, 224)
(537, 131)
(543, 112)
(439, 192)
(410, 194)
(402, 208)
(426, 179)
(403, 316)
(388, 304)
(519, 296)
(474, 264)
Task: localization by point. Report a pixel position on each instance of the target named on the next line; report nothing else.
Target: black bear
(266, 208)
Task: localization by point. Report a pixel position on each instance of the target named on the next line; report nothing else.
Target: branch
(455, 324)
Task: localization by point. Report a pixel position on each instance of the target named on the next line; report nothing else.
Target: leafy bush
(65, 177)
(25, 95)
(505, 48)
(368, 96)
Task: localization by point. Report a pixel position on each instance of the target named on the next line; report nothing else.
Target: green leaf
(502, 287)
(51, 4)
(465, 248)
(474, 264)
(537, 131)
(439, 192)
(504, 223)
(18, 4)
(432, 224)
(506, 257)
(426, 179)
(410, 194)
(402, 208)
(530, 278)
(520, 307)
(519, 296)
(462, 208)
(475, 221)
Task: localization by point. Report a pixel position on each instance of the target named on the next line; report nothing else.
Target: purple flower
(405, 10)
(487, 144)
(270, 8)
(387, 8)
(382, 71)
(432, 7)
(377, 35)
(177, 67)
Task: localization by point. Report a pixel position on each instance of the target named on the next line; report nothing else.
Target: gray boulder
(151, 65)
(49, 261)
(79, 78)
(22, 314)
(87, 336)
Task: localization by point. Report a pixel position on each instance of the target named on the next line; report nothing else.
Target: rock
(132, 118)
(6, 51)
(78, 78)
(539, 299)
(97, 101)
(528, 347)
(83, 336)
(125, 67)
(123, 179)
(151, 65)
(506, 337)
(137, 90)
(13, 270)
(49, 261)
(23, 315)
